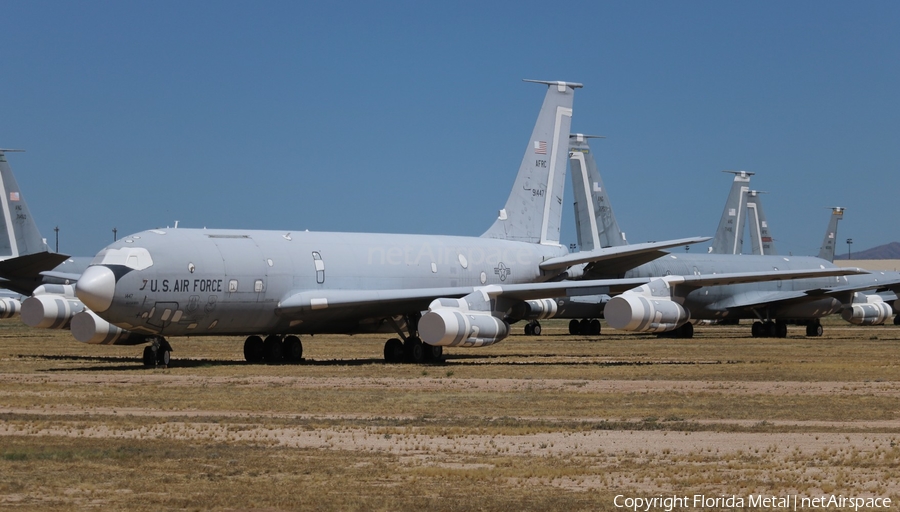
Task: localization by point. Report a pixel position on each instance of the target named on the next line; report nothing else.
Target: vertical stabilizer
(533, 212)
(731, 226)
(760, 238)
(595, 222)
(19, 234)
(826, 252)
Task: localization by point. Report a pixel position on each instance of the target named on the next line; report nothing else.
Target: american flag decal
(13, 196)
(540, 147)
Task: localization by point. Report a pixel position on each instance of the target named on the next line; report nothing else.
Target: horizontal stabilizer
(615, 255)
(65, 276)
(30, 265)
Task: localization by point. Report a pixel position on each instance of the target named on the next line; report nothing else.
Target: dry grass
(533, 423)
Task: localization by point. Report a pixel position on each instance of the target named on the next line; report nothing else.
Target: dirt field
(534, 423)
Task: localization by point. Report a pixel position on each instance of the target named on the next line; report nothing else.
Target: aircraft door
(246, 271)
(320, 267)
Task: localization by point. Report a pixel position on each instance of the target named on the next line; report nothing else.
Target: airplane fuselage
(229, 282)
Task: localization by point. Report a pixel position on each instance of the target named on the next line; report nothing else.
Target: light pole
(56, 230)
(115, 237)
(849, 243)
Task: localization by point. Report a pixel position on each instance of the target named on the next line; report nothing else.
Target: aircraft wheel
(393, 351)
(686, 331)
(432, 353)
(780, 330)
(414, 350)
(897, 320)
(536, 329)
(769, 329)
(574, 327)
(254, 349)
(595, 327)
(756, 329)
(818, 330)
(584, 326)
(529, 329)
(163, 357)
(149, 357)
(274, 349)
(293, 349)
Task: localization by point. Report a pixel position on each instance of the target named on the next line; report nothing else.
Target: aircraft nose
(96, 287)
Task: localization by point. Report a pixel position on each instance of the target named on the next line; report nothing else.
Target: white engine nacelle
(873, 312)
(636, 312)
(9, 307)
(452, 327)
(541, 309)
(50, 311)
(87, 327)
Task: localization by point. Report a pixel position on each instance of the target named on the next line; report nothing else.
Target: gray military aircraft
(440, 290)
(283, 283)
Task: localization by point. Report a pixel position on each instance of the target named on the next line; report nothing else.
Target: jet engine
(465, 322)
(636, 312)
(50, 311)
(9, 307)
(872, 312)
(540, 309)
(87, 327)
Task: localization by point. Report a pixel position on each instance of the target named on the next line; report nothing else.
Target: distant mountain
(889, 251)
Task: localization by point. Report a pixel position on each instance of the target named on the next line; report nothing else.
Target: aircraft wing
(842, 293)
(698, 281)
(631, 255)
(30, 265)
(333, 303)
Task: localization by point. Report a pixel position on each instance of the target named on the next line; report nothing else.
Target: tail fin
(760, 239)
(826, 252)
(19, 234)
(731, 226)
(595, 222)
(533, 212)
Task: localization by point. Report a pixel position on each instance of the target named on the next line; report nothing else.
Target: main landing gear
(275, 349)
(157, 354)
(769, 329)
(897, 319)
(533, 328)
(411, 349)
(584, 327)
(814, 328)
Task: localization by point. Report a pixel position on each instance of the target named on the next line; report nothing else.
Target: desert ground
(550, 422)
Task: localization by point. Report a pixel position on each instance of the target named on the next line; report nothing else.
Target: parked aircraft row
(429, 291)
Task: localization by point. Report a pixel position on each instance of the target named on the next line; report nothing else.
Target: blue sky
(411, 117)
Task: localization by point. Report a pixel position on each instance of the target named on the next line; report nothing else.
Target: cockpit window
(136, 258)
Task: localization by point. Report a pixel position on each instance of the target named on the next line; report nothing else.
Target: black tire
(770, 329)
(529, 329)
(536, 329)
(293, 349)
(757, 329)
(432, 353)
(274, 349)
(253, 349)
(163, 357)
(393, 351)
(781, 329)
(149, 357)
(414, 351)
(584, 326)
(897, 320)
(686, 331)
(595, 327)
(574, 327)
